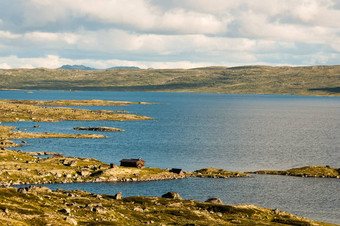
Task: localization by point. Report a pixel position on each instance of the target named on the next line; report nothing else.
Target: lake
(230, 131)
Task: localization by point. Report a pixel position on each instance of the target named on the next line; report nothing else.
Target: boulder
(5, 210)
(73, 163)
(71, 220)
(276, 211)
(65, 211)
(138, 209)
(118, 196)
(22, 190)
(99, 209)
(171, 195)
(84, 172)
(214, 200)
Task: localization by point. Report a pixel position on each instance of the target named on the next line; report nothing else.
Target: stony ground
(17, 167)
(41, 206)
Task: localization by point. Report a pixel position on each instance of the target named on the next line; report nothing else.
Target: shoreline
(41, 205)
(174, 91)
(20, 168)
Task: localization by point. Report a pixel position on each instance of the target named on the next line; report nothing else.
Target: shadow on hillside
(61, 85)
(327, 89)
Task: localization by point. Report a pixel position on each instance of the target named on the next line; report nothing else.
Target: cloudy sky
(168, 33)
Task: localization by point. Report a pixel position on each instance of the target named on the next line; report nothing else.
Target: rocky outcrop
(216, 173)
(214, 200)
(171, 195)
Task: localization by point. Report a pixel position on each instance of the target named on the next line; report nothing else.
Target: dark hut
(139, 163)
(178, 171)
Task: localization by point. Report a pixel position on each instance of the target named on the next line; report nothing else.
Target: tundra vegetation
(309, 80)
(41, 206)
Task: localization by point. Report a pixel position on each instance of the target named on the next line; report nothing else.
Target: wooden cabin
(139, 163)
(178, 171)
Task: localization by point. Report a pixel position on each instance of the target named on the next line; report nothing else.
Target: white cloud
(182, 31)
(4, 66)
(67, 38)
(9, 35)
(13, 61)
(134, 14)
(52, 61)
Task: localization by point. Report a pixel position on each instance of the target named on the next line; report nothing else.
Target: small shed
(139, 163)
(178, 171)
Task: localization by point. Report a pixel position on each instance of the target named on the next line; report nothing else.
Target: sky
(168, 33)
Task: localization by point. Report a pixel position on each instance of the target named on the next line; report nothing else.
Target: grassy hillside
(311, 80)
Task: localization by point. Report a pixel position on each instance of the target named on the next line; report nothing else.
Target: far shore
(318, 80)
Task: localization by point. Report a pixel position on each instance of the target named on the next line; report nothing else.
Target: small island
(216, 173)
(103, 129)
(306, 171)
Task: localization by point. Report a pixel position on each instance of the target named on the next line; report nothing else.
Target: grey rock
(214, 200)
(65, 211)
(71, 220)
(99, 209)
(171, 195)
(118, 196)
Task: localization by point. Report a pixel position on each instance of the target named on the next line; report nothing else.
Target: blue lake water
(193, 131)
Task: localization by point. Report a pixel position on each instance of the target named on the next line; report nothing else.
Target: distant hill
(252, 79)
(122, 67)
(86, 68)
(77, 67)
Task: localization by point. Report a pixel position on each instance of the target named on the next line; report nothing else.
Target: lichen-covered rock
(118, 196)
(171, 195)
(214, 200)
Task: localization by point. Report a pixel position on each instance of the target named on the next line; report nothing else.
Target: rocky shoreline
(42, 206)
(18, 168)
